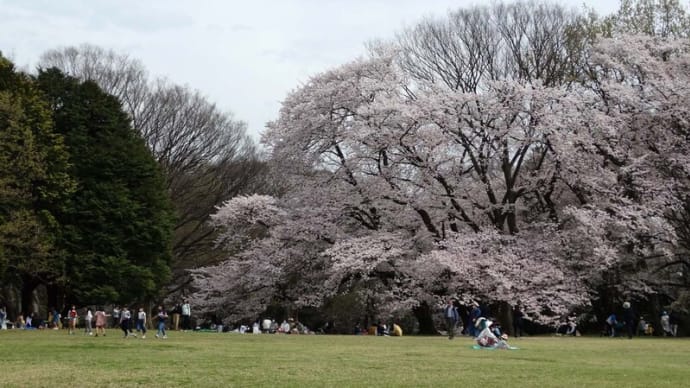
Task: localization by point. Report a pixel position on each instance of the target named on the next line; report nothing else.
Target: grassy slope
(52, 358)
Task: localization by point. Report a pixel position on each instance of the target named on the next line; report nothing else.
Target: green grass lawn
(52, 358)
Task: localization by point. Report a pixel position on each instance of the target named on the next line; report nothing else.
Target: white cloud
(244, 55)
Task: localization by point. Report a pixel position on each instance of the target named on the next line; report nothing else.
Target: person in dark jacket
(629, 318)
(450, 313)
(518, 315)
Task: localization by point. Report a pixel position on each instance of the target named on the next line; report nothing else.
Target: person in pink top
(101, 321)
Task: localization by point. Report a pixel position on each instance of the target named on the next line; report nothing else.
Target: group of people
(628, 324)
(469, 325)
(183, 311)
(487, 334)
(123, 318)
(270, 326)
(31, 321)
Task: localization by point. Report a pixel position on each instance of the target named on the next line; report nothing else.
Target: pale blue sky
(243, 55)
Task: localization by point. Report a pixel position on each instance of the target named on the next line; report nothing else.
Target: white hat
(481, 321)
(626, 305)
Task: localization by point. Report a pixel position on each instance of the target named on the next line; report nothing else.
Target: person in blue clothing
(450, 313)
(162, 318)
(56, 318)
(611, 325)
(141, 322)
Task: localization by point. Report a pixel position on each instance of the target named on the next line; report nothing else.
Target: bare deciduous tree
(523, 41)
(206, 155)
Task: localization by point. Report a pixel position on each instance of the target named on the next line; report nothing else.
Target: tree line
(108, 180)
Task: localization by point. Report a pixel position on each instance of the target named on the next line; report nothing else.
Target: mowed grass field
(51, 358)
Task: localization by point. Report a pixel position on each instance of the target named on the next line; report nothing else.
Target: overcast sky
(244, 55)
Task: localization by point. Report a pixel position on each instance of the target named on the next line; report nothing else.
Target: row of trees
(205, 154)
(507, 153)
(133, 167)
(83, 208)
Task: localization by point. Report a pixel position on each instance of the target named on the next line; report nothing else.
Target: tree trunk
(55, 297)
(27, 291)
(423, 314)
(504, 314)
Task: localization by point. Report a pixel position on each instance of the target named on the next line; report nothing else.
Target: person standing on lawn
(518, 316)
(629, 318)
(186, 316)
(450, 313)
(72, 318)
(87, 322)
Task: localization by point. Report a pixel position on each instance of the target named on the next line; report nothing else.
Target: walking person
(450, 312)
(141, 322)
(87, 322)
(162, 317)
(101, 321)
(186, 316)
(125, 316)
(116, 316)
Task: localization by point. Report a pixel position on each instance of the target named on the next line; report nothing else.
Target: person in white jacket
(87, 322)
(3, 318)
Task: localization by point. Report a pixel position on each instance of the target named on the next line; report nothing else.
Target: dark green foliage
(117, 225)
(34, 182)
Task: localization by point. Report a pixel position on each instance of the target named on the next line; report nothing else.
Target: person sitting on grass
(486, 339)
(572, 327)
(397, 330)
(20, 323)
(381, 329)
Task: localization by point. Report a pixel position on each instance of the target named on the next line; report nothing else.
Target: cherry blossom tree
(402, 190)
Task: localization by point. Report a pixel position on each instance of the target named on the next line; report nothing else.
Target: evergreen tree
(117, 226)
(34, 182)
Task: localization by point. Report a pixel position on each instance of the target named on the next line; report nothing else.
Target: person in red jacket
(72, 318)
